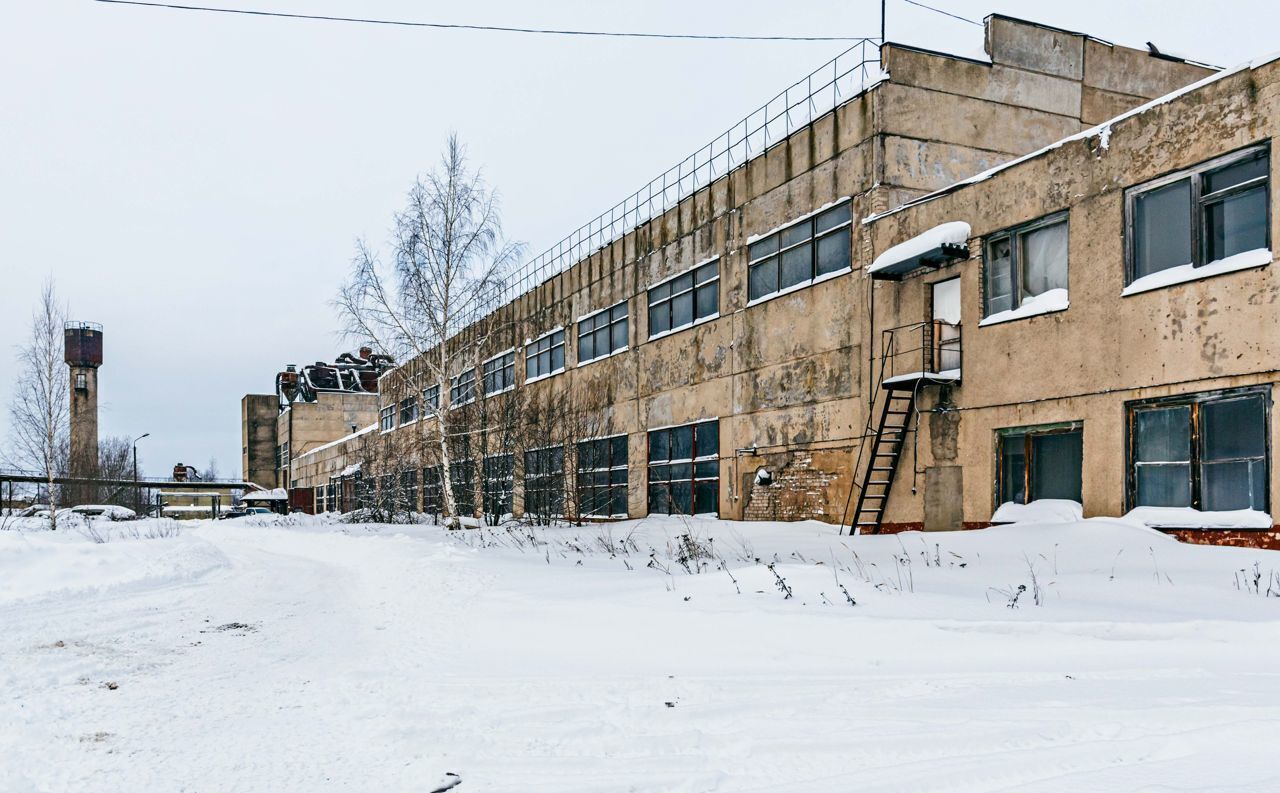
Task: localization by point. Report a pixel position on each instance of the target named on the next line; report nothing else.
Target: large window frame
(695, 293)
(1030, 450)
(800, 246)
(603, 474)
(1015, 238)
(498, 486)
(408, 410)
(431, 396)
(462, 389)
(673, 472)
(608, 325)
(544, 356)
(499, 373)
(544, 482)
(387, 418)
(1200, 203)
(1198, 455)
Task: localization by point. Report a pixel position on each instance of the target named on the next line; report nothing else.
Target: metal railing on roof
(821, 91)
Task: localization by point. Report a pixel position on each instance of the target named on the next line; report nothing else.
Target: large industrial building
(969, 283)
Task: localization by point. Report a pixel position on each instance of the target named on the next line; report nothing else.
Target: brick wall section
(798, 492)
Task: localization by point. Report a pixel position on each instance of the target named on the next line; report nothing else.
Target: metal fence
(836, 81)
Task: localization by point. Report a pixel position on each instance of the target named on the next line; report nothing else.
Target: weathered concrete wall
(258, 414)
(787, 377)
(1084, 363)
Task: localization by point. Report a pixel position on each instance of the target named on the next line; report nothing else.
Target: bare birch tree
(40, 412)
(449, 269)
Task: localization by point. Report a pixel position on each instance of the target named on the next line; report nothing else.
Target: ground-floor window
(684, 469)
(1207, 451)
(602, 477)
(462, 476)
(1039, 462)
(432, 491)
(499, 473)
(544, 482)
(407, 498)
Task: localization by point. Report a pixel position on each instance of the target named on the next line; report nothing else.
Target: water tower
(83, 353)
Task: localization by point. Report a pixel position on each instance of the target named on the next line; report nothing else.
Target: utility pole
(137, 492)
(882, 5)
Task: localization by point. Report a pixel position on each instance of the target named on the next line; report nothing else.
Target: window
(544, 482)
(545, 356)
(463, 389)
(685, 299)
(801, 253)
(498, 485)
(431, 397)
(462, 475)
(282, 456)
(387, 418)
(500, 373)
(603, 333)
(602, 477)
(432, 491)
(1042, 462)
(408, 410)
(684, 469)
(1024, 263)
(82, 382)
(1203, 215)
(406, 498)
(1207, 451)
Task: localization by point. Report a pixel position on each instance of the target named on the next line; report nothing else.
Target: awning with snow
(934, 248)
(278, 494)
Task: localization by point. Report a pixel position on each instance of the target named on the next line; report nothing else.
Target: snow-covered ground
(302, 655)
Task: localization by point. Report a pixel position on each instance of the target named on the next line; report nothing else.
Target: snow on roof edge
(1103, 129)
(343, 439)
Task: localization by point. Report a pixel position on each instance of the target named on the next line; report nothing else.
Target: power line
(487, 28)
(944, 13)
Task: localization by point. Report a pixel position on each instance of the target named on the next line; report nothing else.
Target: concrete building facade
(739, 349)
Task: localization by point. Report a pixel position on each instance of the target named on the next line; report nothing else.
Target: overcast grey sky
(195, 182)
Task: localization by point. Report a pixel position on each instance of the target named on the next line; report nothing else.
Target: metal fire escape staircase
(932, 351)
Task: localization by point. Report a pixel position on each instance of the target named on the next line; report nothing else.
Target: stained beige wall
(787, 377)
(258, 414)
(1084, 363)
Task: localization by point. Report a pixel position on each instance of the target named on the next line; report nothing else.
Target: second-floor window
(500, 373)
(1025, 263)
(544, 356)
(685, 299)
(603, 333)
(463, 389)
(800, 253)
(1202, 215)
(387, 418)
(408, 410)
(431, 397)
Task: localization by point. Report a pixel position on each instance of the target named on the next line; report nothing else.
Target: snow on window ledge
(1047, 303)
(1044, 510)
(1189, 518)
(1184, 273)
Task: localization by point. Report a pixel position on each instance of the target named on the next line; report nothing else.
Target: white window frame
(612, 352)
(564, 355)
(484, 374)
(454, 382)
(388, 412)
(693, 288)
(812, 239)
